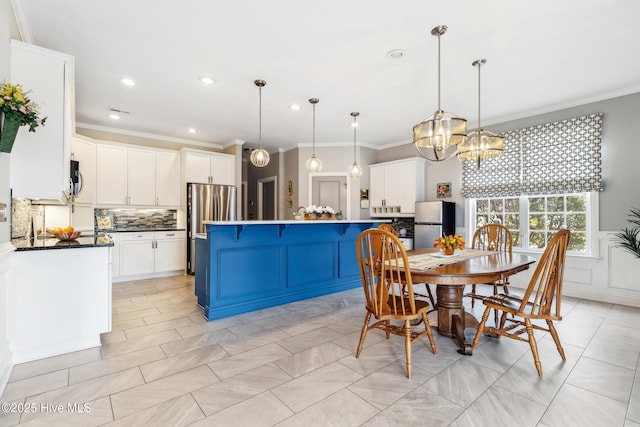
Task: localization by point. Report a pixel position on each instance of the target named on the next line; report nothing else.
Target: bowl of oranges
(66, 234)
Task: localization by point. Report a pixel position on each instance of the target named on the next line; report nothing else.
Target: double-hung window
(547, 179)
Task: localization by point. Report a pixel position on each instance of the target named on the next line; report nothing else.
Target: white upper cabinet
(395, 187)
(85, 153)
(208, 168)
(111, 175)
(141, 177)
(133, 176)
(40, 161)
(168, 179)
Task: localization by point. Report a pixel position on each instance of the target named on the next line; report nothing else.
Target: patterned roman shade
(552, 158)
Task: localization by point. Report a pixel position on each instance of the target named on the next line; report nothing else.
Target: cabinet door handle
(170, 234)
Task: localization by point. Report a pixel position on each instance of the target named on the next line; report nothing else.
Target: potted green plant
(627, 239)
(17, 110)
(339, 215)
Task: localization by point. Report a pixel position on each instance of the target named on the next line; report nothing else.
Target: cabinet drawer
(164, 235)
(132, 237)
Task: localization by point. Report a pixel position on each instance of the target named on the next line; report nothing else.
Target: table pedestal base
(452, 319)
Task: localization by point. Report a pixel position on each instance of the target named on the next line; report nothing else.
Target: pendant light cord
(314, 129)
(439, 66)
(260, 117)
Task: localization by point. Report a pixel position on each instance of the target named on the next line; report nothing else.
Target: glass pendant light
(260, 156)
(480, 144)
(355, 171)
(438, 136)
(313, 163)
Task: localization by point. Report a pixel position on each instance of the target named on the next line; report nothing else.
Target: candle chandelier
(480, 144)
(438, 136)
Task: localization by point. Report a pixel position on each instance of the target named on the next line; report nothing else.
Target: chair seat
(511, 304)
(421, 307)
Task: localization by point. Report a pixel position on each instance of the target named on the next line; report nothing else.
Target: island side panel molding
(271, 264)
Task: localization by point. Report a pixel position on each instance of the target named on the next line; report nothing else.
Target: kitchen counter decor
(314, 212)
(17, 110)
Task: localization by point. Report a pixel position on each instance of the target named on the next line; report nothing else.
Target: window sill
(574, 258)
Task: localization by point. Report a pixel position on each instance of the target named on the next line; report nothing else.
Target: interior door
(330, 191)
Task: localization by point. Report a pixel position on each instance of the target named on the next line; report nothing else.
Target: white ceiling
(541, 56)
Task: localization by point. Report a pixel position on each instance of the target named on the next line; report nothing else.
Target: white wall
(8, 30)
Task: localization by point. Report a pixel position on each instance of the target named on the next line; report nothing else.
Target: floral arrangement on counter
(318, 212)
(18, 111)
(449, 243)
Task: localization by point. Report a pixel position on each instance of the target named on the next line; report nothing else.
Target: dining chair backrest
(545, 286)
(492, 237)
(388, 291)
(388, 227)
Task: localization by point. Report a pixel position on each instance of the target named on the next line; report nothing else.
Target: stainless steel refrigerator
(432, 220)
(206, 202)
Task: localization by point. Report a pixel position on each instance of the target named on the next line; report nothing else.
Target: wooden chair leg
(363, 334)
(407, 345)
(473, 295)
(387, 331)
(533, 345)
(556, 338)
(427, 327)
(485, 316)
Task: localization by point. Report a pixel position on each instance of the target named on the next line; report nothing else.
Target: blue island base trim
(256, 266)
(240, 308)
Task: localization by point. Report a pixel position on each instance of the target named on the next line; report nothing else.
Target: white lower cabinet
(149, 252)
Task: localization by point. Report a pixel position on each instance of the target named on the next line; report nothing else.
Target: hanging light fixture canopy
(355, 170)
(480, 144)
(438, 136)
(313, 163)
(260, 156)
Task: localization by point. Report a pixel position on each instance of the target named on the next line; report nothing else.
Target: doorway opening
(268, 198)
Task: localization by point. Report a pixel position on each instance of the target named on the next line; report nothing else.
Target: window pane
(496, 205)
(556, 222)
(495, 218)
(577, 222)
(512, 205)
(555, 204)
(578, 242)
(512, 221)
(577, 203)
(482, 205)
(481, 220)
(536, 222)
(536, 204)
(537, 239)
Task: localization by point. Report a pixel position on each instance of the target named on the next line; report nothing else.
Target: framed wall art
(443, 190)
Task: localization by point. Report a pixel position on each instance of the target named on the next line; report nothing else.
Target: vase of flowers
(17, 110)
(448, 244)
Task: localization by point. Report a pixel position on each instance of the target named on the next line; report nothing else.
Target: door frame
(347, 212)
(261, 183)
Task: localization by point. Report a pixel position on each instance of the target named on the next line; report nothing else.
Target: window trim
(593, 220)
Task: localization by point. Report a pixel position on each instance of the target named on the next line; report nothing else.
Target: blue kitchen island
(243, 266)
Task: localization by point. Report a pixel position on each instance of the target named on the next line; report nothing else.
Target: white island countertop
(296, 221)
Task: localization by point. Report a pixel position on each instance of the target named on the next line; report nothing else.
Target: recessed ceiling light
(114, 116)
(191, 130)
(395, 54)
(207, 80)
(127, 82)
(294, 107)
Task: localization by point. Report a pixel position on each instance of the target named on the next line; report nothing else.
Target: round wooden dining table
(450, 280)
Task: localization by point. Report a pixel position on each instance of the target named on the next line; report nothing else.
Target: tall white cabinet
(40, 160)
(394, 187)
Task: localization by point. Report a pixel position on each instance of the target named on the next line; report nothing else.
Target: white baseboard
(146, 276)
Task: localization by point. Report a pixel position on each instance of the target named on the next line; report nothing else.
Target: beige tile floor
(294, 365)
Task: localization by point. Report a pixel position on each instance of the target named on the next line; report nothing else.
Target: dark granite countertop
(97, 241)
